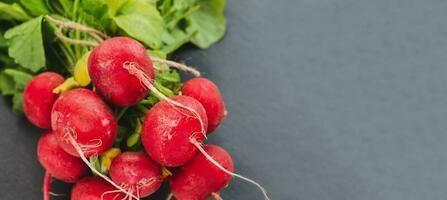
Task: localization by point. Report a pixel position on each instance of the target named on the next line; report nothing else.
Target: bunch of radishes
(83, 126)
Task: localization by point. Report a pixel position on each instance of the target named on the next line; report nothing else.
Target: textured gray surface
(328, 100)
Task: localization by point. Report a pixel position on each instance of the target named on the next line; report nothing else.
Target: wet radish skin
(83, 113)
(93, 188)
(208, 94)
(199, 178)
(136, 169)
(168, 129)
(38, 98)
(116, 84)
(57, 162)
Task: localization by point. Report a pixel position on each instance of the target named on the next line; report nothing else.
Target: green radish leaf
(26, 44)
(208, 21)
(142, 21)
(13, 12)
(95, 7)
(11, 1)
(114, 6)
(35, 7)
(3, 42)
(164, 6)
(175, 39)
(6, 84)
(17, 103)
(20, 78)
(13, 82)
(156, 53)
(5, 60)
(184, 4)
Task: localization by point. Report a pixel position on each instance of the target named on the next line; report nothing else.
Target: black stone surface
(327, 100)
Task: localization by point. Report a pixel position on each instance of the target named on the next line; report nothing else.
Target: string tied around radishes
(99, 37)
(176, 65)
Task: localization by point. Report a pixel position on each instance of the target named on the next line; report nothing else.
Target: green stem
(65, 47)
(48, 4)
(135, 137)
(69, 84)
(75, 9)
(141, 108)
(166, 91)
(121, 113)
(77, 48)
(169, 13)
(58, 9)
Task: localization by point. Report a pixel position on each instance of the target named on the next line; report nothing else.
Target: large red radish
(207, 93)
(57, 162)
(137, 173)
(38, 98)
(168, 130)
(200, 178)
(80, 116)
(95, 188)
(106, 68)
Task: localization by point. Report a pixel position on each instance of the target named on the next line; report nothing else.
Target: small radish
(94, 188)
(57, 162)
(80, 116)
(168, 130)
(38, 98)
(200, 178)
(207, 93)
(46, 186)
(106, 69)
(136, 171)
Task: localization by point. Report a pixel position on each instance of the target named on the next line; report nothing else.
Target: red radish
(168, 130)
(94, 188)
(46, 186)
(199, 178)
(135, 170)
(82, 116)
(106, 70)
(38, 98)
(207, 93)
(57, 162)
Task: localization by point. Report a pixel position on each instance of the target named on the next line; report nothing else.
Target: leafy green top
(29, 46)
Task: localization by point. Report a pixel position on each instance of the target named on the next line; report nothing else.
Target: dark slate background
(327, 100)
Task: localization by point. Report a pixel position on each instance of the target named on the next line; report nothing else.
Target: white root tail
(135, 70)
(199, 146)
(170, 196)
(177, 65)
(85, 160)
(216, 196)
